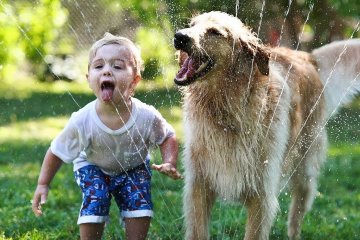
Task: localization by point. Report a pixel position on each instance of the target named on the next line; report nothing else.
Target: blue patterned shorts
(131, 190)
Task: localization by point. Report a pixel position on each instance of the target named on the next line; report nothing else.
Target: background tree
(297, 24)
(33, 30)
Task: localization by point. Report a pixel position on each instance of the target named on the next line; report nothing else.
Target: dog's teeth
(202, 67)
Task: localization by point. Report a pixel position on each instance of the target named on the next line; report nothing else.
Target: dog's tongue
(107, 93)
(187, 69)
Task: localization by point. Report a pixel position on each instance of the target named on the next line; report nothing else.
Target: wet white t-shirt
(86, 140)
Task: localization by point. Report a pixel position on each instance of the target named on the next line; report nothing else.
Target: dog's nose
(181, 41)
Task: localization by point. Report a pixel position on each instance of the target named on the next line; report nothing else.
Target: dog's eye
(214, 31)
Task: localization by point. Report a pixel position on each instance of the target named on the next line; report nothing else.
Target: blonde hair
(107, 39)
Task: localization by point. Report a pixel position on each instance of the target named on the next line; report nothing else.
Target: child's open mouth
(107, 90)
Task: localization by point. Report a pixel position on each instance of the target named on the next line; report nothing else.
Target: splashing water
(89, 29)
(286, 76)
(253, 59)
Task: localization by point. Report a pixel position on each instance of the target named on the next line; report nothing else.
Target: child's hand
(167, 169)
(39, 198)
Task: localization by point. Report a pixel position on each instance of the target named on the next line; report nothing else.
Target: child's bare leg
(137, 228)
(91, 231)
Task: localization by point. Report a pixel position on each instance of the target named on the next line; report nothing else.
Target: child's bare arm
(169, 152)
(50, 166)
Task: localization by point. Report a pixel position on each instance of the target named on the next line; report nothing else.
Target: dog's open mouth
(107, 90)
(192, 68)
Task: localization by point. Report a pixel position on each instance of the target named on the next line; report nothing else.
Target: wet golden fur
(253, 124)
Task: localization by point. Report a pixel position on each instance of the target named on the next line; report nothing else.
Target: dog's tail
(339, 68)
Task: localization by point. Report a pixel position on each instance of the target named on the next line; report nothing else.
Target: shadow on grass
(40, 104)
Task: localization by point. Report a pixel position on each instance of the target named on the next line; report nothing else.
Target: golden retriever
(254, 120)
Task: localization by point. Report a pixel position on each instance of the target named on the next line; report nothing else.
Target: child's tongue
(107, 93)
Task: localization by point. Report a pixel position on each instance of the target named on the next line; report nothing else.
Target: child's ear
(136, 80)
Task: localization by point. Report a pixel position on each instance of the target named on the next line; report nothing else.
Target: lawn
(32, 114)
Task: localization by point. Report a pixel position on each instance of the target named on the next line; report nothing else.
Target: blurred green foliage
(156, 52)
(9, 50)
(29, 31)
(347, 7)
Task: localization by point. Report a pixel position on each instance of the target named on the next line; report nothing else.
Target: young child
(108, 142)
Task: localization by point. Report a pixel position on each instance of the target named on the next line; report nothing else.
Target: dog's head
(215, 44)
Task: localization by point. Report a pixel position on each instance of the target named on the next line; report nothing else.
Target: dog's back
(339, 68)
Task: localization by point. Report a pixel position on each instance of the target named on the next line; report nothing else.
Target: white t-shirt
(86, 140)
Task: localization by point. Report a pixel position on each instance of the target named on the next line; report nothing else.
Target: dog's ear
(260, 54)
(262, 58)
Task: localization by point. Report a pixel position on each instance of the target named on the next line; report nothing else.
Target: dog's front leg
(261, 211)
(198, 201)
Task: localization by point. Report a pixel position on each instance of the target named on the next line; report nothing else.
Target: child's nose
(107, 70)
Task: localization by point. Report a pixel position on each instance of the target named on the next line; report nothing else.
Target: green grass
(32, 113)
